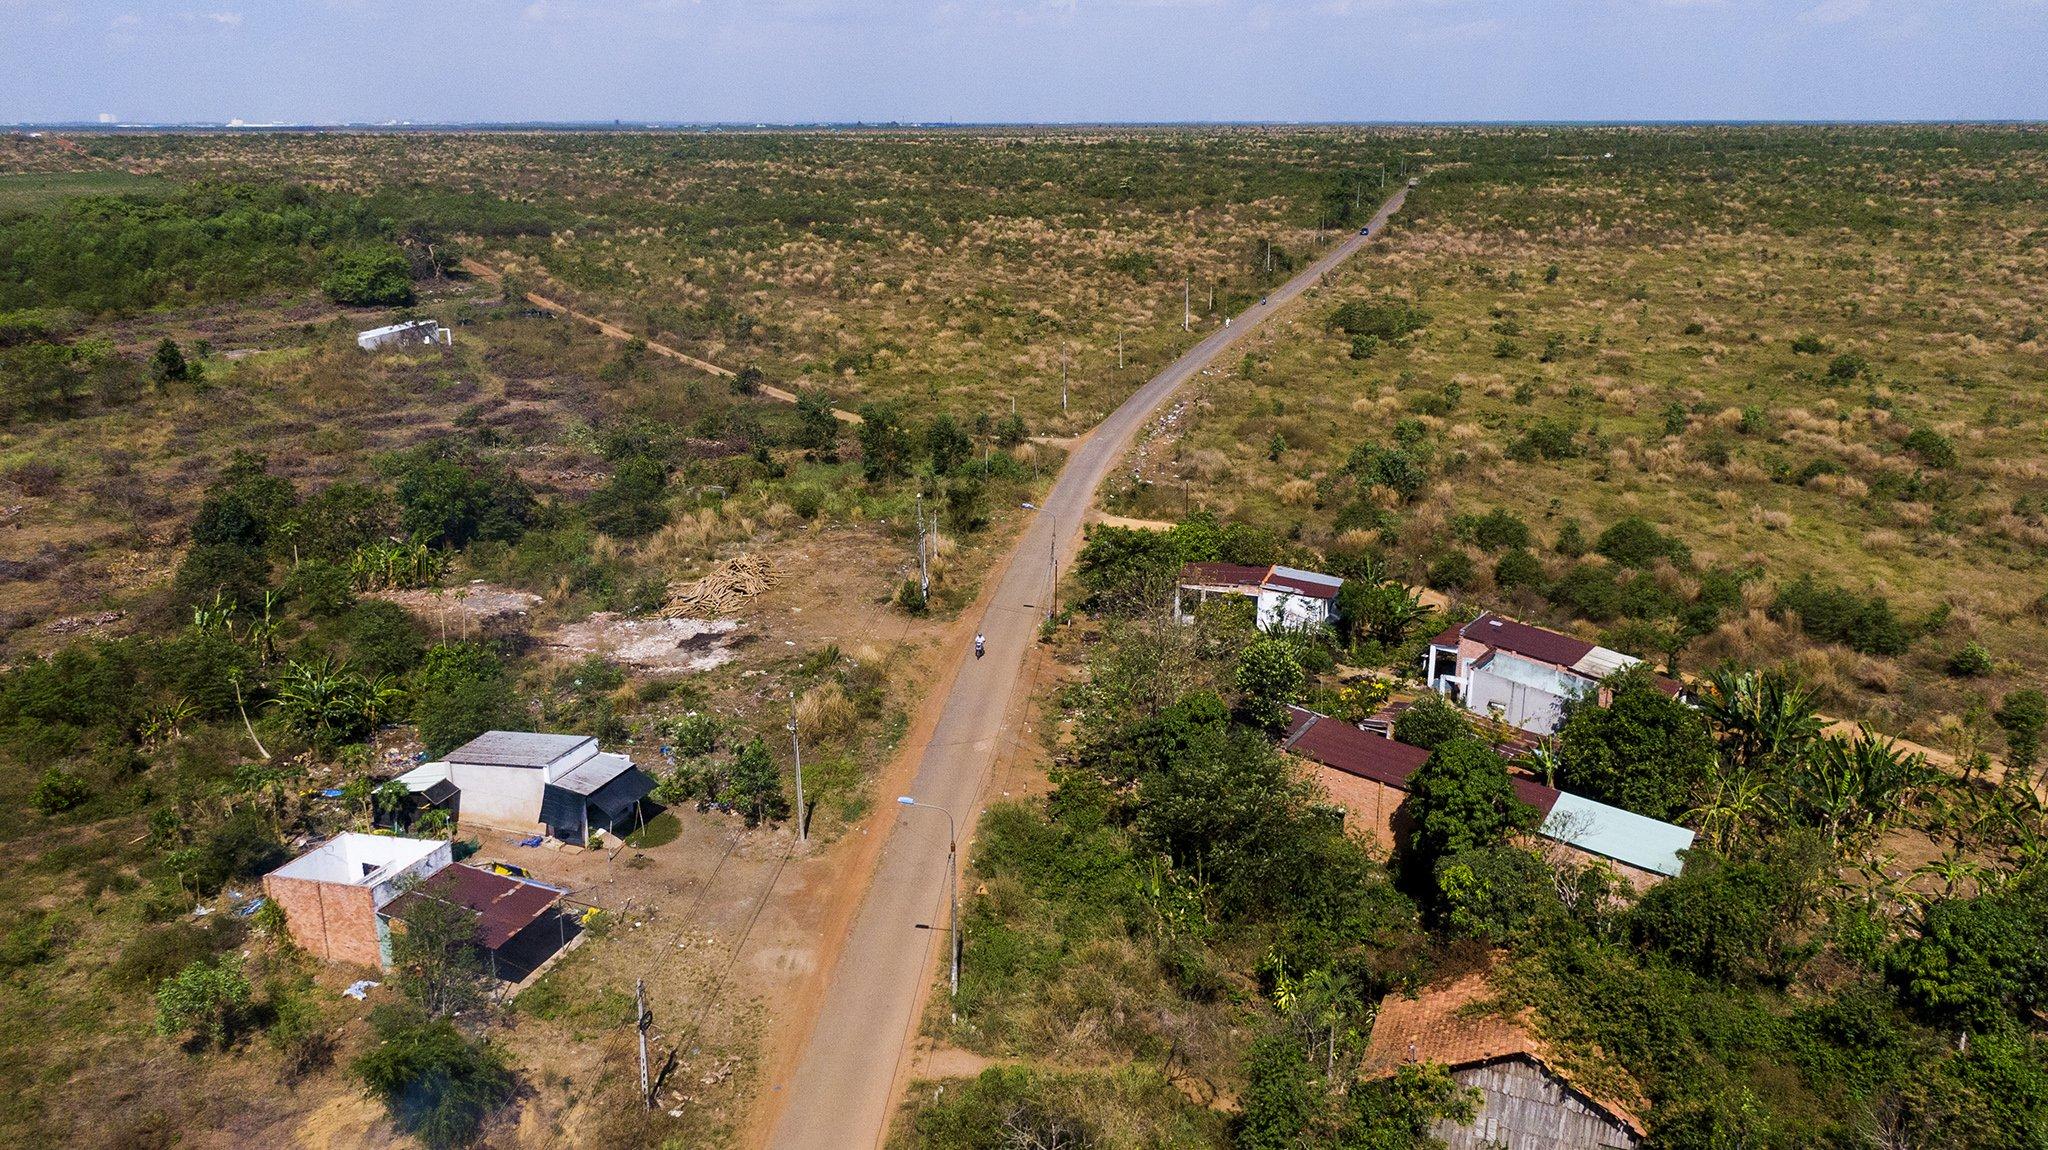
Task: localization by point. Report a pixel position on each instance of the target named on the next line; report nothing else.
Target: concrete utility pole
(952, 883)
(644, 1020)
(924, 574)
(1063, 379)
(796, 743)
(1119, 349)
(1187, 302)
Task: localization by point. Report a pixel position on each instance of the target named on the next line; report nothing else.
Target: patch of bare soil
(474, 602)
(663, 645)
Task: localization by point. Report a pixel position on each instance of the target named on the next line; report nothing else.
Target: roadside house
(1287, 598)
(562, 785)
(1367, 776)
(1520, 674)
(1526, 1101)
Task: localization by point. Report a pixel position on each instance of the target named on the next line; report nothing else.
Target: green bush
(1835, 615)
(373, 275)
(210, 999)
(437, 1084)
(1933, 448)
(1971, 662)
(1386, 320)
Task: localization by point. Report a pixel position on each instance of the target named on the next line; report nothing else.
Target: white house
(562, 784)
(1288, 598)
(419, 332)
(1521, 674)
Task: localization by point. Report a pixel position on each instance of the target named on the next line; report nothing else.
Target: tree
(1760, 718)
(631, 503)
(1397, 1113)
(885, 445)
(1460, 800)
(1431, 721)
(376, 275)
(448, 496)
(1645, 751)
(1733, 921)
(208, 998)
(459, 692)
(1124, 569)
(330, 703)
(754, 784)
(435, 1082)
(167, 364)
(1979, 963)
(1384, 611)
(1495, 893)
(434, 958)
(2022, 714)
(1284, 1099)
(817, 429)
(946, 444)
(1268, 679)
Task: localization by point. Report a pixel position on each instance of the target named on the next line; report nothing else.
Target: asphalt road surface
(844, 1087)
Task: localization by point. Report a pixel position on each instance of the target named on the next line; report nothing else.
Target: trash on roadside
(360, 990)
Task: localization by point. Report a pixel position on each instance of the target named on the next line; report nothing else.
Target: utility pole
(1187, 309)
(1063, 379)
(1119, 349)
(924, 575)
(644, 1020)
(1052, 568)
(796, 743)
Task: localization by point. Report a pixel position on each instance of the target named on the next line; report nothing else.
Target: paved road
(844, 1087)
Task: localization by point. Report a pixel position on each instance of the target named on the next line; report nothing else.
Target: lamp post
(952, 885)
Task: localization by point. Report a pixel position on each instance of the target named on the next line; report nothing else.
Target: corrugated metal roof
(1295, 581)
(588, 776)
(517, 749)
(1343, 747)
(1614, 833)
(618, 796)
(503, 905)
(423, 777)
(1601, 662)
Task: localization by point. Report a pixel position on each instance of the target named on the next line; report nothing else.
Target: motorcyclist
(980, 645)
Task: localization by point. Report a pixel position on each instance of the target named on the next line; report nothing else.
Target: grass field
(30, 191)
(1742, 337)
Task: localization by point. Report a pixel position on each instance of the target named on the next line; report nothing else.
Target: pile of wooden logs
(729, 585)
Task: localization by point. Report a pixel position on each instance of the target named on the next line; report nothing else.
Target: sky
(980, 61)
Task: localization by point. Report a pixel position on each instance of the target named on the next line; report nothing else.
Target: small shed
(1526, 1101)
(416, 333)
(427, 788)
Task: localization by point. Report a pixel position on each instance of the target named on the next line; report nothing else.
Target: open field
(1798, 352)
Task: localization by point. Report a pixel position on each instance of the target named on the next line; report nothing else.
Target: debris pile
(729, 585)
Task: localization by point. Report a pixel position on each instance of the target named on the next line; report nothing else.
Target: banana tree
(1759, 717)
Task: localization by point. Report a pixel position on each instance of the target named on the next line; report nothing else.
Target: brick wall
(331, 921)
(1371, 809)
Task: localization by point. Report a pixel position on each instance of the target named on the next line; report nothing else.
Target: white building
(562, 784)
(419, 332)
(1288, 598)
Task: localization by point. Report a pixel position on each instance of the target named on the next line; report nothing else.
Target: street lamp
(952, 882)
(796, 742)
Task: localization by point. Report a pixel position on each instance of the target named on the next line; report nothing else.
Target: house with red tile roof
(1520, 674)
(1288, 598)
(1366, 774)
(1527, 1099)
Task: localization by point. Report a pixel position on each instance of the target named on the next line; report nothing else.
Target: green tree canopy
(1645, 751)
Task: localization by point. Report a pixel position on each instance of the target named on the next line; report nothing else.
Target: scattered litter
(360, 990)
(250, 907)
(532, 842)
(201, 911)
(1030, 506)
(331, 793)
(71, 623)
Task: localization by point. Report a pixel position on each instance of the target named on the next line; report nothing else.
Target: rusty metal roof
(1223, 575)
(1443, 1024)
(503, 905)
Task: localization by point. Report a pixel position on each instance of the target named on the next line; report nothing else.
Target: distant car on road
(1414, 181)
(1365, 231)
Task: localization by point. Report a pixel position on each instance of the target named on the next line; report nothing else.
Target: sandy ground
(658, 645)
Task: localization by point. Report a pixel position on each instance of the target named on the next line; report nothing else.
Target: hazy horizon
(1022, 62)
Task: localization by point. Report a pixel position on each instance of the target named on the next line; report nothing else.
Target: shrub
(1972, 662)
(59, 790)
(370, 276)
(1933, 448)
(1496, 531)
(1809, 345)
(1635, 542)
(209, 998)
(1387, 320)
(1452, 571)
(1518, 568)
(1848, 366)
(1545, 439)
(1834, 615)
(436, 1083)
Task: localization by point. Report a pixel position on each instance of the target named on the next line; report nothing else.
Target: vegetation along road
(844, 1084)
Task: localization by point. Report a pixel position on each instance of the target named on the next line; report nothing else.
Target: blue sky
(326, 61)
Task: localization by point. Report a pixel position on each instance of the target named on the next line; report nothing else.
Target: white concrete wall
(506, 797)
(390, 888)
(1279, 610)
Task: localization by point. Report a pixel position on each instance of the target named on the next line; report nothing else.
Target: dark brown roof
(1435, 1026)
(503, 905)
(1222, 575)
(1448, 637)
(1522, 639)
(1343, 747)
